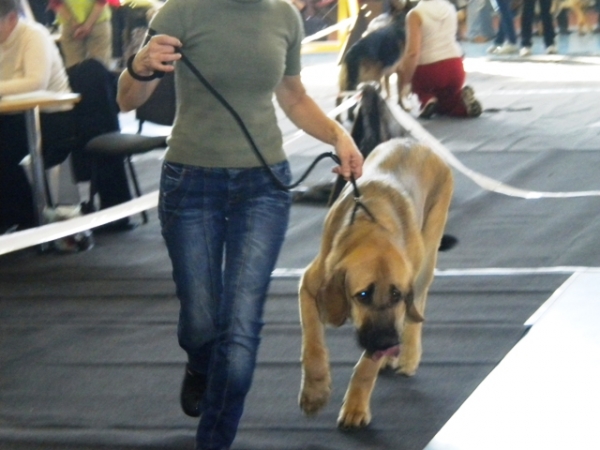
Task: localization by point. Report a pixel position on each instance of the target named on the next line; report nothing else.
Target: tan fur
(408, 190)
(578, 7)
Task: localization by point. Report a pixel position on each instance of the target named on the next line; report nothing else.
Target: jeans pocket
(172, 176)
(171, 191)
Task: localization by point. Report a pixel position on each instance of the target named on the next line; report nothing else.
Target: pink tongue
(392, 351)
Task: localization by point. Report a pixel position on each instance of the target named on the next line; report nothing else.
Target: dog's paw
(353, 415)
(389, 362)
(407, 371)
(314, 395)
(407, 365)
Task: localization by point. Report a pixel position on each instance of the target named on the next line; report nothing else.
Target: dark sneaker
(192, 391)
(429, 109)
(472, 105)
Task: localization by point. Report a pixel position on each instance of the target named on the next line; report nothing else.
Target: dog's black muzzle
(373, 337)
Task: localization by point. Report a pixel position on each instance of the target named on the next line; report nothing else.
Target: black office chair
(158, 109)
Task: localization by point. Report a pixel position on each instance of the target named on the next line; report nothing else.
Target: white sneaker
(493, 49)
(551, 50)
(525, 51)
(507, 49)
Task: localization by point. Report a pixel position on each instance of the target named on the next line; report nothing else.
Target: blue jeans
(506, 27)
(224, 229)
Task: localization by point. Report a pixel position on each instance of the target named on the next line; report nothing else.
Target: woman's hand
(351, 159)
(157, 55)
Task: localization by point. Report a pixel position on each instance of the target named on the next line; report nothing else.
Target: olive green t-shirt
(243, 48)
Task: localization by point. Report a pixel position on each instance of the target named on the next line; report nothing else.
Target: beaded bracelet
(139, 77)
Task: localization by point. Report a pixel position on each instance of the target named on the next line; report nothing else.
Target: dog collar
(359, 204)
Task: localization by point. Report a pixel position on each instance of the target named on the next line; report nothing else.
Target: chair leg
(89, 207)
(136, 185)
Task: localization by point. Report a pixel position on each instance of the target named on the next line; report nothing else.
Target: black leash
(256, 150)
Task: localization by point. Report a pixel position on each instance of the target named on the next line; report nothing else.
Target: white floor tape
(47, 233)
(414, 128)
(475, 272)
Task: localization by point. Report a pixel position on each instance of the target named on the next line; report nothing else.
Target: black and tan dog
(375, 56)
(374, 267)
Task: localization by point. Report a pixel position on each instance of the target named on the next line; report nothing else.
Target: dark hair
(8, 6)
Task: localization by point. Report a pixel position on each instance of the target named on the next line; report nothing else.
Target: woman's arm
(37, 67)
(309, 117)
(157, 55)
(412, 50)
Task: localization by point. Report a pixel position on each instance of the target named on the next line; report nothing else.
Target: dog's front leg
(412, 349)
(356, 410)
(316, 379)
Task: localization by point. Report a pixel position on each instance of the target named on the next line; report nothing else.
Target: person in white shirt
(432, 62)
(29, 61)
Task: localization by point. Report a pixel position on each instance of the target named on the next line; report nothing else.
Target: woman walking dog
(222, 216)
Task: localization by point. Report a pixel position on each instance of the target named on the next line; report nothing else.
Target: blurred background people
(527, 16)
(29, 61)
(432, 62)
(85, 28)
(505, 42)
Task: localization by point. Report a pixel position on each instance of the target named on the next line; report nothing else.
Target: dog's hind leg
(356, 409)
(386, 85)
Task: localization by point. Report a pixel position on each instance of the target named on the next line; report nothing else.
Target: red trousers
(443, 80)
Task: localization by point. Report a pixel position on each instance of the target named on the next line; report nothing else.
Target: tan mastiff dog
(375, 265)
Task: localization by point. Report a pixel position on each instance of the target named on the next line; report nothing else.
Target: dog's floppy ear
(332, 302)
(411, 310)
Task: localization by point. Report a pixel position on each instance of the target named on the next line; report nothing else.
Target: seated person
(30, 61)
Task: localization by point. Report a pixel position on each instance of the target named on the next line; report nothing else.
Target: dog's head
(373, 287)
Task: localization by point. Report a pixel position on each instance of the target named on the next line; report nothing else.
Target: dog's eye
(365, 297)
(395, 295)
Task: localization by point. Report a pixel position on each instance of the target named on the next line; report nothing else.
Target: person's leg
(193, 222)
(506, 20)
(113, 187)
(201, 212)
(99, 43)
(527, 22)
(547, 22)
(16, 197)
(258, 214)
(442, 80)
(562, 20)
(424, 82)
(73, 50)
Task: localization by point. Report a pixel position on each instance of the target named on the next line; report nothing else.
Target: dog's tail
(448, 242)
